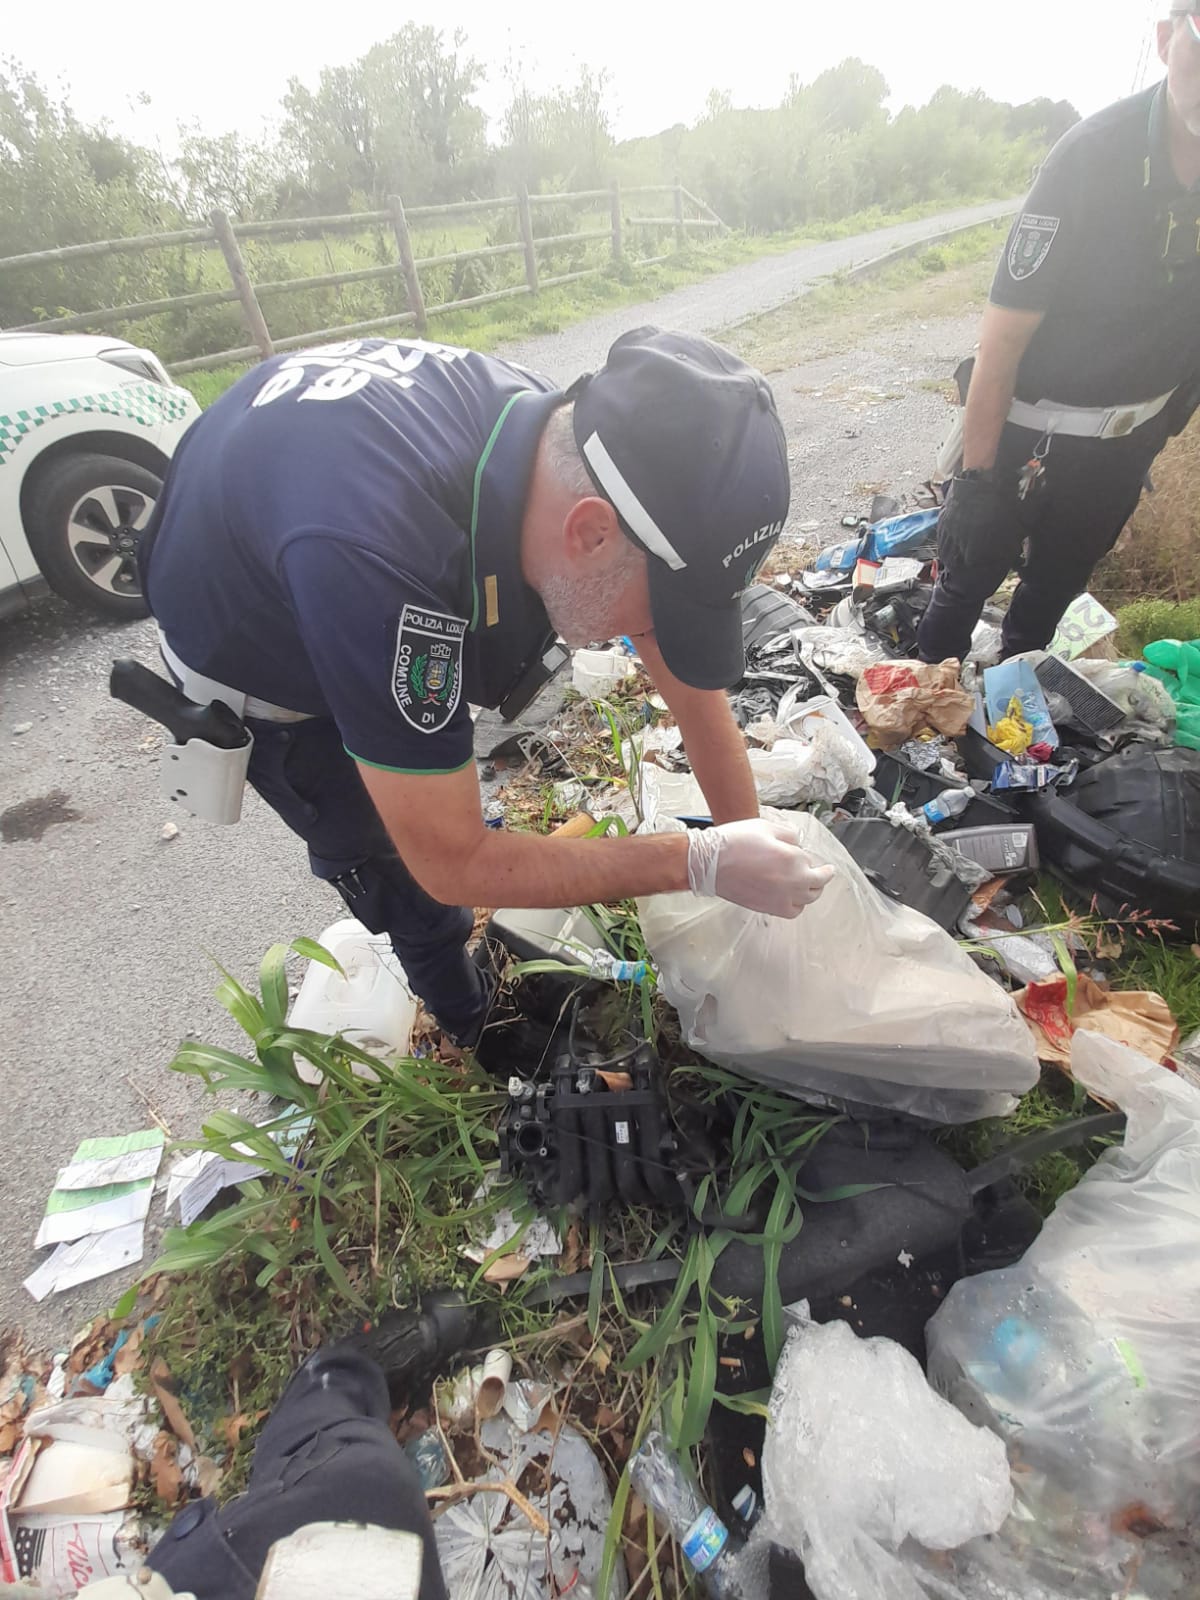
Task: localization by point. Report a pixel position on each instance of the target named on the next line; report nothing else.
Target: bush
(1159, 553)
(1143, 621)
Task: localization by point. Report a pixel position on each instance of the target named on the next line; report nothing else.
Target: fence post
(256, 323)
(616, 219)
(680, 224)
(526, 219)
(408, 263)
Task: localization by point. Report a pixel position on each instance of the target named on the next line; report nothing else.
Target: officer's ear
(591, 532)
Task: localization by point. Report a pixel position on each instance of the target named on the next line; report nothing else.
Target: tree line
(405, 119)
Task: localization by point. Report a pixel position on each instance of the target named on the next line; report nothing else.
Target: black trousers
(303, 773)
(326, 1454)
(1090, 490)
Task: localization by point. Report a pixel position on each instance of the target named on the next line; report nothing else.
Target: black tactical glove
(980, 507)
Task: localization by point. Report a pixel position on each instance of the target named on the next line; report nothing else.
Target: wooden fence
(407, 266)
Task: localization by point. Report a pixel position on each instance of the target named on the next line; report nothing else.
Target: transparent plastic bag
(490, 1551)
(822, 766)
(1084, 1359)
(858, 999)
(863, 1460)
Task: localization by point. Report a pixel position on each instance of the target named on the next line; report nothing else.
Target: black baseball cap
(683, 440)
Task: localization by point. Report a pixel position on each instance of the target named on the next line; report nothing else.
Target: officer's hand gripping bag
(1084, 1358)
(857, 1000)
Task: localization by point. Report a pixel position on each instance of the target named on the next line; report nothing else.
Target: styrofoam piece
(372, 1006)
(598, 672)
(561, 935)
(794, 712)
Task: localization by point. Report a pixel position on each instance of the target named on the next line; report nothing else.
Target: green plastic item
(1176, 665)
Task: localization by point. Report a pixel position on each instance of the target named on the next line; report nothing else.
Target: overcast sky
(226, 63)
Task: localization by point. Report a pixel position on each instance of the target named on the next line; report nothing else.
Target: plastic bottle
(670, 1491)
(950, 803)
(604, 965)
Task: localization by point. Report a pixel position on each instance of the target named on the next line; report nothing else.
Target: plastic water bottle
(950, 803)
(670, 1491)
(605, 965)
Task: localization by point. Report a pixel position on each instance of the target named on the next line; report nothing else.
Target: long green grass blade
(272, 980)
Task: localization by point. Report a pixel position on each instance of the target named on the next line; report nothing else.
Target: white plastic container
(793, 713)
(598, 672)
(371, 1007)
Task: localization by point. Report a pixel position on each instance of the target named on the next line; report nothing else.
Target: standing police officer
(355, 542)
(1088, 361)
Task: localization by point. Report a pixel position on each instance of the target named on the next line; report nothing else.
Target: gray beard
(578, 610)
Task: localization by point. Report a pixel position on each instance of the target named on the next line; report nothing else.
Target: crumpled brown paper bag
(900, 698)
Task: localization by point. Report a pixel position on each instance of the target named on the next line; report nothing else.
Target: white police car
(87, 426)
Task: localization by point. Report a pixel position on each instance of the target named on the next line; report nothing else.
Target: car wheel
(86, 521)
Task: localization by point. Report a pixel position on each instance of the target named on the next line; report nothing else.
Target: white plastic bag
(862, 1458)
(490, 1551)
(1084, 1358)
(842, 650)
(823, 765)
(858, 999)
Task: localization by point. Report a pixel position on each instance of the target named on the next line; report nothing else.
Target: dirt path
(107, 932)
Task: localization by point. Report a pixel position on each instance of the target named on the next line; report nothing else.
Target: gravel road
(108, 932)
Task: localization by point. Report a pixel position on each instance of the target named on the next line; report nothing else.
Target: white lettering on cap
(768, 532)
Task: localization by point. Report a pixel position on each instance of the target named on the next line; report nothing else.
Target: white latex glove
(756, 864)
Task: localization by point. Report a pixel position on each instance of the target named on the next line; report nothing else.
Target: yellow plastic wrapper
(1012, 733)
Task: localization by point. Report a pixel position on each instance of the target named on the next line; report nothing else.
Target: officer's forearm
(515, 869)
(717, 751)
(713, 741)
(1003, 340)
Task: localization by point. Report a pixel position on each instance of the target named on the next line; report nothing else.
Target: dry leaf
(506, 1268)
(600, 1357)
(164, 1469)
(616, 1081)
(749, 1458)
(208, 1475)
(606, 1418)
(129, 1356)
(1196, 951)
(232, 1428)
(571, 1258)
(1109, 944)
(161, 1381)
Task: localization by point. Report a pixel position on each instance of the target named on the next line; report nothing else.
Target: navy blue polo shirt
(340, 534)
(1108, 246)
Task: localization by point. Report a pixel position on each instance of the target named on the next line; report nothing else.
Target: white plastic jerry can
(372, 1006)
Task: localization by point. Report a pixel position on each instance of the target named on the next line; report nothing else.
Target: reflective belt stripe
(202, 691)
(1083, 422)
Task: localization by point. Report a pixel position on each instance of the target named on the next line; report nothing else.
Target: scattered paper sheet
(79, 1213)
(199, 1177)
(93, 1257)
(76, 1209)
(137, 1155)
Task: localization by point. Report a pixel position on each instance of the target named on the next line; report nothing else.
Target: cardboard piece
(1134, 1017)
(63, 1517)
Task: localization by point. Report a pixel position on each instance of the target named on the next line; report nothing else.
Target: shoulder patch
(427, 671)
(1031, 242)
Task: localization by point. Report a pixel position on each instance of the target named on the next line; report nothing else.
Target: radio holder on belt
(205, 766)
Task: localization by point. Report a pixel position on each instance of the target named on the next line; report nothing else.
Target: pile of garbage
(960, 1403)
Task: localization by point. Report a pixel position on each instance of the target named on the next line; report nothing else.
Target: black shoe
(414, 1347)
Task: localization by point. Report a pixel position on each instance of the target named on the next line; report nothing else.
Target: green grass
(1143, 621)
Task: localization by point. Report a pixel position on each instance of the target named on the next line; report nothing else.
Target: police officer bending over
(356, 542)
(1089, 359)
